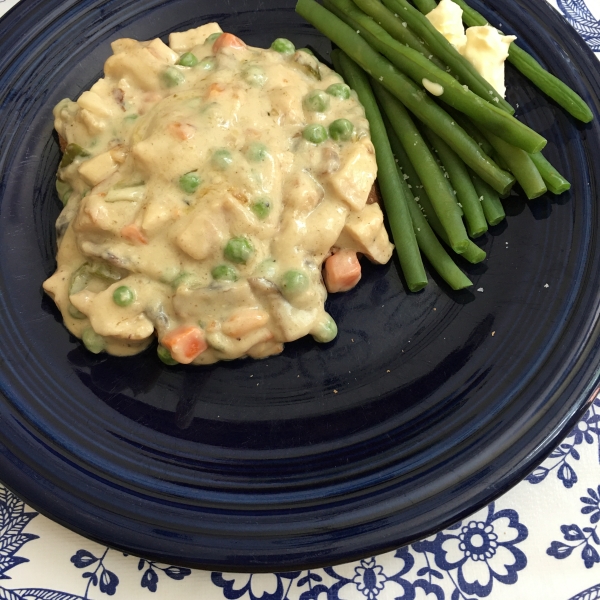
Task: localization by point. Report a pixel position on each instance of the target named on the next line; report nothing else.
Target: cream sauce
(194, 189)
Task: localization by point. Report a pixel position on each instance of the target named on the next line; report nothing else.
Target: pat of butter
(484, 47)
(447, 19)
(435, 89)
(486, 50)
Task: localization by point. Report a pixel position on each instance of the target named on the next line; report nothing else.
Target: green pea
(339, 90)
(172, 77)
(189, 182)
(212, 38)
(283, 46)
(222, 159)
(92, 341)
(307, 50)
(208, 63)
(182, 277)
(123, 296)
(187, 59)
(165, 356)
(261, 208)
(238, 250)
(75, 312)
(341, 130)
(224, 273)
(314, 133)
(294, 282)
(325, 331)
(255, 75)
(267, 269)
(316, 101)
(257, 152)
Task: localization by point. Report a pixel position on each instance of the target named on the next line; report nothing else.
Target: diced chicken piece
(93, 123)
(95, 104)
(354, 179)
(158, 211)
(159, 49)
(264, 349)
(102, 88)
(96, 216)
(240, 219)
(124, 45)
(364, 232)
(288, 105)
(236, 347)
(139, 66)
(204, 235)
(213, 299)
(98, 168)
(323, 227)
(242, 322)
(182, 41)
(303, 192)
(133, 193)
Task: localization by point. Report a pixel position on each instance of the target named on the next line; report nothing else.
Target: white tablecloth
(537, 542)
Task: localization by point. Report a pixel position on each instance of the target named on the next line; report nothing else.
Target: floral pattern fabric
(538, 541)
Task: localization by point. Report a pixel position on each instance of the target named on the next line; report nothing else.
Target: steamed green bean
(462, 184)
(555, 182)
(413, 97)
(519, 163)
(424, 73)
(437, 186)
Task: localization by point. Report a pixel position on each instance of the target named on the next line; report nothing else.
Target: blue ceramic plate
(425, 408)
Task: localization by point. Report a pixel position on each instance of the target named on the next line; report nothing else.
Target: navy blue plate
(425, 408)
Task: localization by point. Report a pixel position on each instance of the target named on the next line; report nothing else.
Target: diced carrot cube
(134, 234)
(182, 131)
(227, 40)
(342, 271)
(185, 343)
(214, 89)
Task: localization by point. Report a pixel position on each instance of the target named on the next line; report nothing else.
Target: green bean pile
(442, 170)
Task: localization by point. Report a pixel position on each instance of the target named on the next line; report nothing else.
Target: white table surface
(537, 542)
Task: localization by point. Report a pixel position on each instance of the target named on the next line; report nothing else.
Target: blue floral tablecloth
(539, 541)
